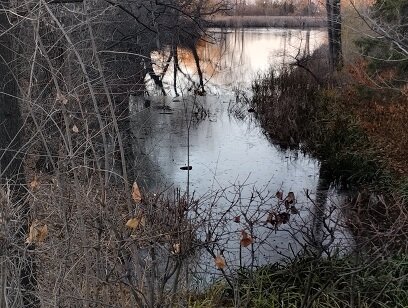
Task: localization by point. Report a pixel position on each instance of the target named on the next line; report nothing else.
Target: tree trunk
(10, 117)
(334, 33)
(11, 162)
(175, 66)
(199, 71)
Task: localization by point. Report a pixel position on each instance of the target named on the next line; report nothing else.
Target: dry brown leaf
(284, 217)
(75, 129)
(291, 197)
(276, 219)
(220, 262)
(136, 195)
(38, 232)
(135, 222)
(176, 248)
(272, 218)
(246, 239)
(279, 195)
(34, 184)
(61, 98)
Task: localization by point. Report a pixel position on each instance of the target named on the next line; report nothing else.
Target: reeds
(286, 100)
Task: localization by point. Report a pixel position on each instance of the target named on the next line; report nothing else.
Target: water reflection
(231, 59)
(230, 156)
(223, 150)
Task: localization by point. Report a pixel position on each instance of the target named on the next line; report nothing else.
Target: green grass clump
(354, 281)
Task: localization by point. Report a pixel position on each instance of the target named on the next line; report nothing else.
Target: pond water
(231, 59)
(226, 147)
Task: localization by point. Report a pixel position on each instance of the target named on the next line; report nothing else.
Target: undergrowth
(331, 118)
(298, 109)
(356, 281)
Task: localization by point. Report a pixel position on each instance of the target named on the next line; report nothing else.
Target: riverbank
(358, 133)
(268, 21)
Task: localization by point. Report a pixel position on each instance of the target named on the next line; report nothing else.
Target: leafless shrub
(379, 221)
(74, 67)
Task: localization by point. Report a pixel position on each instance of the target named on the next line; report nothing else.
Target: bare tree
(68, 69)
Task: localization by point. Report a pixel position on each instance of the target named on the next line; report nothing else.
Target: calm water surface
(231, 59)
(227, 153)
(224, 149)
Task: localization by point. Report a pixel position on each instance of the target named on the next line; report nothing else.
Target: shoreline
(267, 22)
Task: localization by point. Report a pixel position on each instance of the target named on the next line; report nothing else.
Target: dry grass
(287, 101)
(381, 112)
(380, 218)
(385, 123)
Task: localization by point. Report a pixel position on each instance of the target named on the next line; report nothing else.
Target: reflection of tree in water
(322, 229)
(146, 171)
(160, 132)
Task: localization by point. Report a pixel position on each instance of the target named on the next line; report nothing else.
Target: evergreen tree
(388, 49)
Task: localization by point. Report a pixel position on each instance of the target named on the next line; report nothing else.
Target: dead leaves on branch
(220, 262)
(34, 184)
(136, 194)
(37, 233)
(290, 198)
(75, 129)
(136, 222)
(279, 195)
(275, 217)
(140, 220)
(246, 239)
(278, 218)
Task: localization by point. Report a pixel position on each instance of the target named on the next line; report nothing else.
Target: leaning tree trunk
(20, 260)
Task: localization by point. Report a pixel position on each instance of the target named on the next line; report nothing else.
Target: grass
(286, 101)
(355, 281)
(268, 21)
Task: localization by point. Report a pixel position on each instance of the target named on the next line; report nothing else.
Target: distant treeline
(278, 8)
(268, 21)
